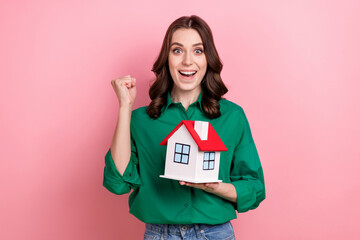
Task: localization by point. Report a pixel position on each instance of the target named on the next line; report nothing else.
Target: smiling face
(187, 61)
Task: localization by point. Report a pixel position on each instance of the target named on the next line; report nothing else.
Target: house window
(182, 152)
(209, 160)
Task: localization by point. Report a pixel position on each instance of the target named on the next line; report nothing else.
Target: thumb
(133, 82)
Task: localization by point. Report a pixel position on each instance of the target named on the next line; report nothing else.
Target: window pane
(177, 157)
(178, 147)
(206, 156)
(211, 165)
(185, 158)
(186, 149)
(206, 165)
(212, 156)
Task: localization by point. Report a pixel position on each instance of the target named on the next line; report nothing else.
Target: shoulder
(139, 119)
(139, 112)
(235, 115)
(230, 108)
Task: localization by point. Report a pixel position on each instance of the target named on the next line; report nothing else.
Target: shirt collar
(170, 101)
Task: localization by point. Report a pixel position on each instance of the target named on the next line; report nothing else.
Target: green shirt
(163, 201)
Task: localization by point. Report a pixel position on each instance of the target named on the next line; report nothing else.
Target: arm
(247, 173)
(224, 190)
(125, 89)
(120, 172)
(120, 146)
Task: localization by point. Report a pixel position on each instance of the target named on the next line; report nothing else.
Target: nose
(187, 59)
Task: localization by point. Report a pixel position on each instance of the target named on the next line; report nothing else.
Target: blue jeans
(194, 231)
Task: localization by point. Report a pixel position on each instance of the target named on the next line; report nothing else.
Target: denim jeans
(194, 231)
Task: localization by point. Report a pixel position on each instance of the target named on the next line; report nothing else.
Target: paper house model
(193, 152)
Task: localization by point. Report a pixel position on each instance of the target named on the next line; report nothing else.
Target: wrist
(125, 108)
(125, 113)
(226, 190)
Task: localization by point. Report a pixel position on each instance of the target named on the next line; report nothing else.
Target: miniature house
(193, 152)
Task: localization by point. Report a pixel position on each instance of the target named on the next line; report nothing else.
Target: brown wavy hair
(213, 88)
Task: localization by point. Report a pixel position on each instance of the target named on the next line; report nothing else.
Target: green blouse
(163, 201)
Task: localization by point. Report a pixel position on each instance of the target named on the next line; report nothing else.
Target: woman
(188, 86)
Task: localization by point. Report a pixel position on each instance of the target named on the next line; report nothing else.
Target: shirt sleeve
(246, 172)
(117, 183)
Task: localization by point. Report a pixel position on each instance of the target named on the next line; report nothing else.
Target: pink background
(294, 66)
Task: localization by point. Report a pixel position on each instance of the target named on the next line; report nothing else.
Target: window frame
(181, 153)
(209, 160)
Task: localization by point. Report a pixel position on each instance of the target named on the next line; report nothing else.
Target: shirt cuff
(117, 183)
(249, 194)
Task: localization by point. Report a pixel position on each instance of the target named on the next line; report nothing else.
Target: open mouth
(187, 73)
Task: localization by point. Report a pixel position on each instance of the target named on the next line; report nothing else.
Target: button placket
(182, 111)
(190, 111)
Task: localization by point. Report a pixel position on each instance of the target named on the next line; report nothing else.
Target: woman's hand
(224, 190)
(208, 187)
(125, 89)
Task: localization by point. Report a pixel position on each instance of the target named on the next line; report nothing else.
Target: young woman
(188, 86)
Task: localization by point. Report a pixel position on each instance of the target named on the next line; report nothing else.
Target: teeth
(187, 73)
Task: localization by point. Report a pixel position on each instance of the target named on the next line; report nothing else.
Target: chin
(186, 87)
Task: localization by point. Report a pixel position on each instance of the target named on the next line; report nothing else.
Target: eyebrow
(176, 43)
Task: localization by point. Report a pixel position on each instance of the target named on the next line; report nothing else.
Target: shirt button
(186, 204)
(184, 228)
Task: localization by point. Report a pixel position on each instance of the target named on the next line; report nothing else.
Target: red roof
(213, 142)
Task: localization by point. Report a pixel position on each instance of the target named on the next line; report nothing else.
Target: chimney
(202, 129)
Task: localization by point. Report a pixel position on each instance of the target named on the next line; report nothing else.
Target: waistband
(175, 229)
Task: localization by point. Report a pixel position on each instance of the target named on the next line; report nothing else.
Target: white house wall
(180, 170)
(211, 175)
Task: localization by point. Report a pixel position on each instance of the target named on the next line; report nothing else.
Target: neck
(185, 97)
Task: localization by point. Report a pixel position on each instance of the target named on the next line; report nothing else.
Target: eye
(176, 50)
(198, 51)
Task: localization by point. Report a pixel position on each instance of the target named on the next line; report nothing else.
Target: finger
(185, 183)
(133, 82)
(126, 77)
(127, 82)
(124, 90)
(191, 184)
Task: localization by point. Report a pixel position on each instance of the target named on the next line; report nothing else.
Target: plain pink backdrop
(294, 66)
